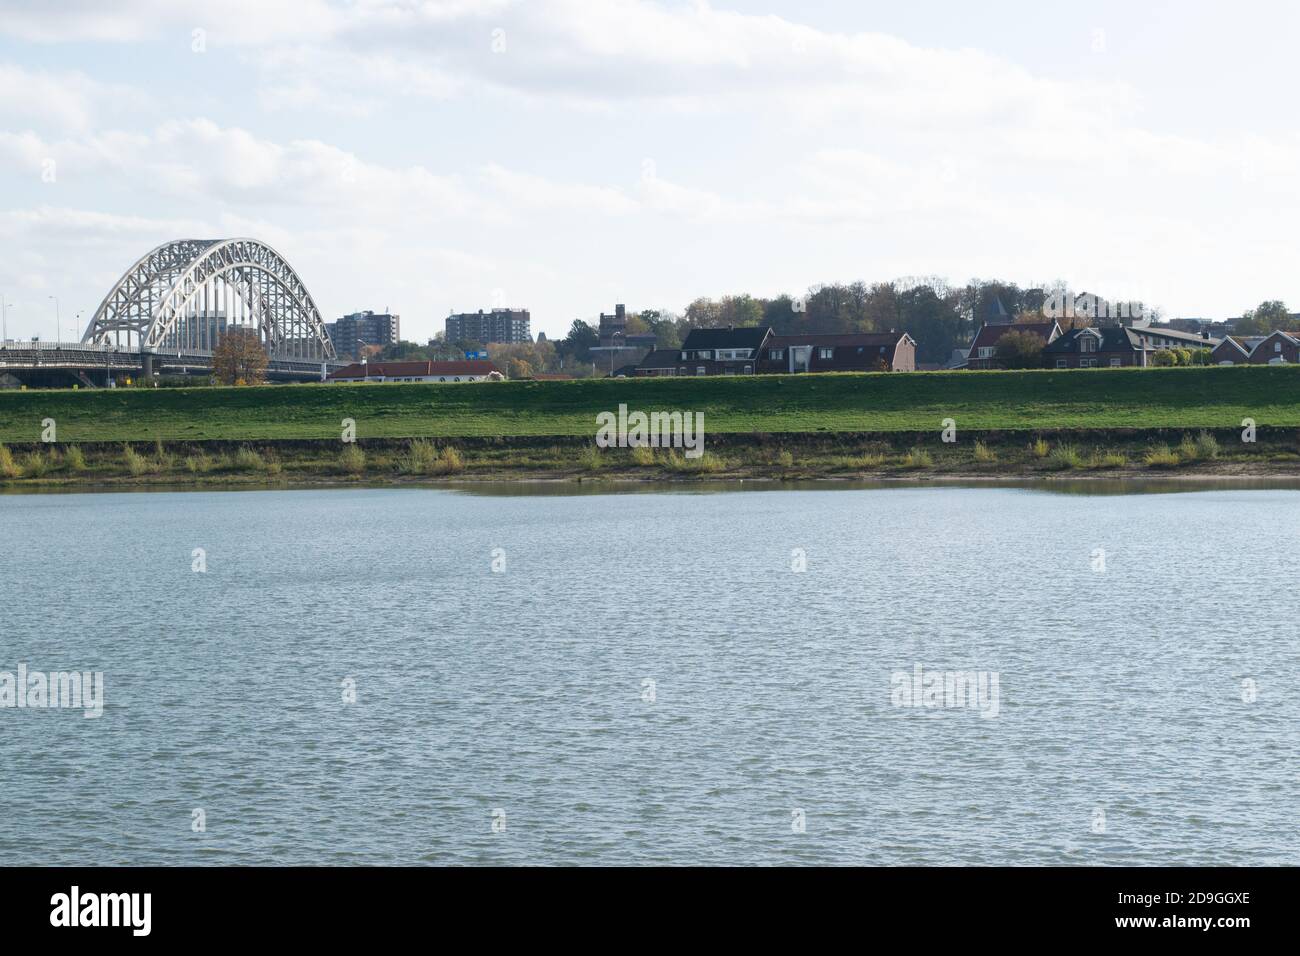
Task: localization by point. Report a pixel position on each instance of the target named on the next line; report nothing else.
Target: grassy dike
(1038, 423)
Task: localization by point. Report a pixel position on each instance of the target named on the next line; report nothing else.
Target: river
(522, 675)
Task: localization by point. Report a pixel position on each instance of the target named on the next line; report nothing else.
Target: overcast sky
(564, 155)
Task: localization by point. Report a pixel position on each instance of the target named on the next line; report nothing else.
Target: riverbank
(1027, 401)
(973, 456)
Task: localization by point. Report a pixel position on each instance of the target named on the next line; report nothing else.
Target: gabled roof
(1239, 345)
(988, 335)
(744, 337)
(851, 339)
(1114, 338)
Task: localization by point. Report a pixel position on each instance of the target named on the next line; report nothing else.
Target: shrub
(643, 456)
(8, 467)
(76, 460)
(449, 461)
(1161, 456)
(1187, 449)
(1040, 448)
(1065, 457)
(590, 459)
(249, 459)
(1207, 446)
(198, 464)
(705, 464)
(136, 463)
(857, 462)
(421, 457)
(352, 460)
(785, 459)
(1110, 459)
(35, 465)
(984, 454)
(918, 458)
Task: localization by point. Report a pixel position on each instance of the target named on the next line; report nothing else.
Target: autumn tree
(1019, 350)
(239, 358)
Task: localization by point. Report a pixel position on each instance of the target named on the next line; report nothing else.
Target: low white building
(426, 371)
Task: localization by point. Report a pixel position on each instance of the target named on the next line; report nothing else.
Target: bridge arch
(184, 295)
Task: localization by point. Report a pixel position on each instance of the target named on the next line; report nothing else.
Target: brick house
(1279, 348)
(729, 351)
(983, 351)
(1234, 350)
(850, 352)
(1117, 346)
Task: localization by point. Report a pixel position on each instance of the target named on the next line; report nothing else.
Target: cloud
(66, 101)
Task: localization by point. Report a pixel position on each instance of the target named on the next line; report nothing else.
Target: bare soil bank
(972, 456)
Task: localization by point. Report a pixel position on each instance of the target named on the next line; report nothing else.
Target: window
(986, 351)
(699, 370)
(1087, 343)
(1277, 346)
(749, 370)
(1115, 361)
(775, 354)
(1061, 363)
(683, 356)
(825, 353)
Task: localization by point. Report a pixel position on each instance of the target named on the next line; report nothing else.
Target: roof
(988, 335)
(1191, 338)
(414, 369)
(551, 376)
(838, 339)
(662, 358)
(1242, 345)
(745, 337)
(1114, 338)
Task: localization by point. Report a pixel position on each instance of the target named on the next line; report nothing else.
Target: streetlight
(57, 323)
(4, 326)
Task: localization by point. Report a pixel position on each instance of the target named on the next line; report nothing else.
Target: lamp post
(4, 325)
(57, 323)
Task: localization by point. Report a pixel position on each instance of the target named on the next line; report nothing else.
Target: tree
(239, 358)
(1019, 350)
(1268, 317)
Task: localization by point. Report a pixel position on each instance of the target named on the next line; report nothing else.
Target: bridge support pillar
(146, 362)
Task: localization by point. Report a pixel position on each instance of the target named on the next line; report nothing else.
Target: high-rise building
(351, 333)
(499, 325)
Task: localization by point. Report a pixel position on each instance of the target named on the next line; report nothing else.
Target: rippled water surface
(521, 695)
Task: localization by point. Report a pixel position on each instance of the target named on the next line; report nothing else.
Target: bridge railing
(26, 345)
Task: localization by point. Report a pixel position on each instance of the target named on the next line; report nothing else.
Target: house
(1117, 346)
(983, 351)
(660, 362)
(1234, 350)
(727, 351)
(849, 352)
(1279, 348)
(457, 371)
(1111, 346)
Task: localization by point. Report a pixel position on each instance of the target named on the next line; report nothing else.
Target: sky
(565, 155)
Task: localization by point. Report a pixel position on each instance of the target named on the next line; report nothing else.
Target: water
(523, 691)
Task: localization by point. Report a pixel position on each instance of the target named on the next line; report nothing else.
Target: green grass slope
(1210, 397)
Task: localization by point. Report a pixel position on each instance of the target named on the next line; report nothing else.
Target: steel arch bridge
(183, 296)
